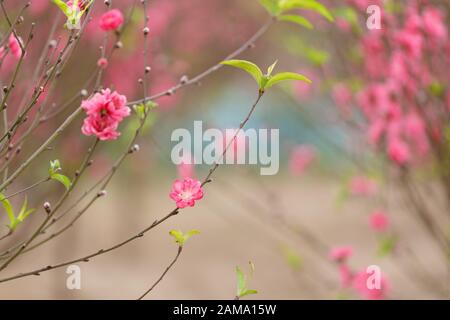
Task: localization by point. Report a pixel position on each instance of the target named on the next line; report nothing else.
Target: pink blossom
(415, 130)
(105, 111)
(366, 288)
(346, 275)
(341, 254)
(362, 186)
(379, 221)
(186, 167)
(185, 192)
(111, 20)
(399, 151)
(411, 43)
(102, 63)
(342, 97)
(14, 46)
(434, 25)
(301, 157)
(375, 131)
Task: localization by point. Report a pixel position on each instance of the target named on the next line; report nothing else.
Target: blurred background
(344, 198)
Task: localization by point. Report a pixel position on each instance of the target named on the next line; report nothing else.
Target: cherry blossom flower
(102, 63)
(14, 46)
(364, 287)
(399, 151)
(340, 254)
(362, 186)
(105, 111)
(185, 192)
(379, 221)
(111, 20)
(301, 157)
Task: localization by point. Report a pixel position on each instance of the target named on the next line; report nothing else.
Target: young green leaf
(63, 6)
(302, 21)
(62, 179)
(311, 5)
(9, 209)
(24, 212)
(247, 66)
(284, 76)
(242, 282)
(55, 167)
(270, 69)
(271, 6)
(181, 237)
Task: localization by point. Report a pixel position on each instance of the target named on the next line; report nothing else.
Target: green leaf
(247, 66)
(311, 5)
(248, 292)
(61, 178)
(293, 259)
(55, 166)
(141, 110)
(302, 21)
(386, 246)
(270, 69)
(242, 282)
(271, 6)
(284, 76)
(63, 6)
(9, 209)
(180, 237)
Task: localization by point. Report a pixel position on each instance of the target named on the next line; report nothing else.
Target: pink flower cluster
(111, 20)
(400, 63)
(185, 192)
(301, 158)
(105, 110)
(13, 47)
(357, 281)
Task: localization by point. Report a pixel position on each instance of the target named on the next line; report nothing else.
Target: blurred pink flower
(376, 130)
(102, 63)
(434, 25)
(365, 290)
(399, 151)
(111, 20)
(342, 97)
(185, 192)
(345, 275)
(379, 221)
(105, 111)
(186, 168)
(362, 186)
(14, 46)
(301, 157)
(340, 254)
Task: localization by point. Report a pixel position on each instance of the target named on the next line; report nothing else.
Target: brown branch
(180, 249)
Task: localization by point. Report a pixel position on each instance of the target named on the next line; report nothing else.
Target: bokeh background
(330, 183)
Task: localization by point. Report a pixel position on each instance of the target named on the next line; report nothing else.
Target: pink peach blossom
(111, 20)
(379, 221)
(340, 254)
(102, 63)
(14, 46)
(104, 111)
(185, 192)
(301, 157)
(364, 289)
(398, 151)
(345, 275)
(362, 186)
